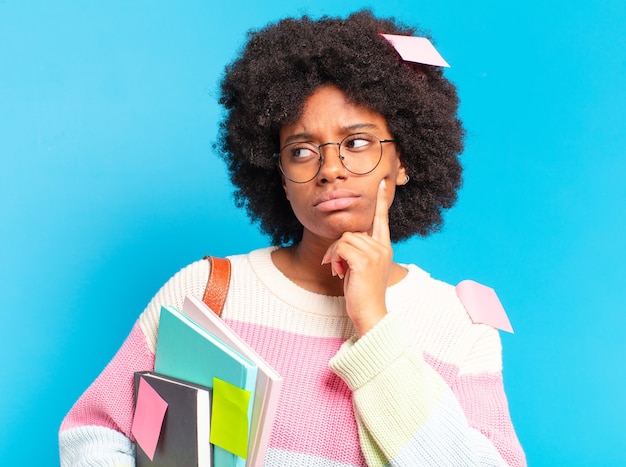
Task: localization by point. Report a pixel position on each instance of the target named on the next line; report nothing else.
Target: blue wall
(109, 185)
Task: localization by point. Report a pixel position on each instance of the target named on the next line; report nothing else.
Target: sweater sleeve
(97, 429)
(407, 414)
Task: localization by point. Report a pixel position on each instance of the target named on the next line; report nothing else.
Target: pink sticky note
(482, 305)
(416, 49)
(149, 414)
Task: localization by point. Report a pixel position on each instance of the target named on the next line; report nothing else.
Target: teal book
(268, 383)
(187, 351)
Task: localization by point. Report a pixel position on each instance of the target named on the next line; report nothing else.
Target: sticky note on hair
(482, 305)
(148, 419)
(229, 418)
(416, 49)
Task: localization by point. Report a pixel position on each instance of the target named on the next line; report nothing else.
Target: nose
(331, 166)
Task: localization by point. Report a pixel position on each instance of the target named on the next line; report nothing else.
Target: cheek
(294, 196)
(391, 193)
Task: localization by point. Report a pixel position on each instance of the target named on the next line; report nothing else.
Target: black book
(184, 438)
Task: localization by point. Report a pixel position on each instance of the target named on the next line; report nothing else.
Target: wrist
(365, 322)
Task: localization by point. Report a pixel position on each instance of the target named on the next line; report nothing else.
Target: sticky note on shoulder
(482, 305)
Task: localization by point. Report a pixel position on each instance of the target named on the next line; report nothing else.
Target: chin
(340, 228)
(333, 225)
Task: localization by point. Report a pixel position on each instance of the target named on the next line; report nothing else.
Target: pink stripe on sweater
(315, 414)
(108, 402)
(490, 412)
(484, 403)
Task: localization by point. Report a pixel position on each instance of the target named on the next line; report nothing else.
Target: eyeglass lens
(359, 153)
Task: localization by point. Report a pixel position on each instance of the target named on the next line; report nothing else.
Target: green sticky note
(229, 418)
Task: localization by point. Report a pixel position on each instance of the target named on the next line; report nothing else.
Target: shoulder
(449, 327)
(470, 300)
(482, 305)
(190, 280)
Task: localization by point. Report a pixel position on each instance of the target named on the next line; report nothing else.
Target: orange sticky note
(482, 305)
(148, 419)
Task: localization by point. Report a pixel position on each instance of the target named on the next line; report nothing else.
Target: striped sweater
(423, 387)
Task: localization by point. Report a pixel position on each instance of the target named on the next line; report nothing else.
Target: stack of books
(218, 395)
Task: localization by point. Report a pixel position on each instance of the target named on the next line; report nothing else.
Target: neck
(302, 264)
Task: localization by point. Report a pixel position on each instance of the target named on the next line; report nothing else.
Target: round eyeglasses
(359, 153)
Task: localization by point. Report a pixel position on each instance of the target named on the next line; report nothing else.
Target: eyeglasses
(359, 153)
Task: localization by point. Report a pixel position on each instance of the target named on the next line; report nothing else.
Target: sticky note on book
(148, 419)
(229, 419)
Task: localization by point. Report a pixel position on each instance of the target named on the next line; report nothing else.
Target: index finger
(380, 226)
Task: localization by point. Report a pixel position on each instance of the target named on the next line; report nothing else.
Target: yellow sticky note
(229, 418)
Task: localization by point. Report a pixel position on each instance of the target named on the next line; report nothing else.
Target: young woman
(338, 148)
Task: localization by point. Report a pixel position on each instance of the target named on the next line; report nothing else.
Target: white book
(268, 382)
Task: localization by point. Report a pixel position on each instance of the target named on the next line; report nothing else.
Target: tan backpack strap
(217, 285)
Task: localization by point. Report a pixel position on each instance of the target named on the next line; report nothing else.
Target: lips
(335, 200)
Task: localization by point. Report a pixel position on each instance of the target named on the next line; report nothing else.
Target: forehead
(329, 113)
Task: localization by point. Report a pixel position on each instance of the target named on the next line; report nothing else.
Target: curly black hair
(284, 63)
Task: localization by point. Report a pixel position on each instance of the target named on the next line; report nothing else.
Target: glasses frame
(341, 157)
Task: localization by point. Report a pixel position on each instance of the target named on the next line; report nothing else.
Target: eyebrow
(344, 130)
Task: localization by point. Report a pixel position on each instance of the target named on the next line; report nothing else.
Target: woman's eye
(303, 152)
(358, 142)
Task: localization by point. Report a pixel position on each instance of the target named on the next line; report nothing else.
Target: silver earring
(406, 180)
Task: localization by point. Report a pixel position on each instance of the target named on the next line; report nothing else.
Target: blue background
(109, 185)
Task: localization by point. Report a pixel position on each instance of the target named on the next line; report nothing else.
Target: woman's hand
(364, 262)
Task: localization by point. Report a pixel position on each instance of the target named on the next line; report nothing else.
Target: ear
(284, 184)
(401, 176)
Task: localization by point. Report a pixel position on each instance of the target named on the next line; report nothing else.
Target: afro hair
(284, 63)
